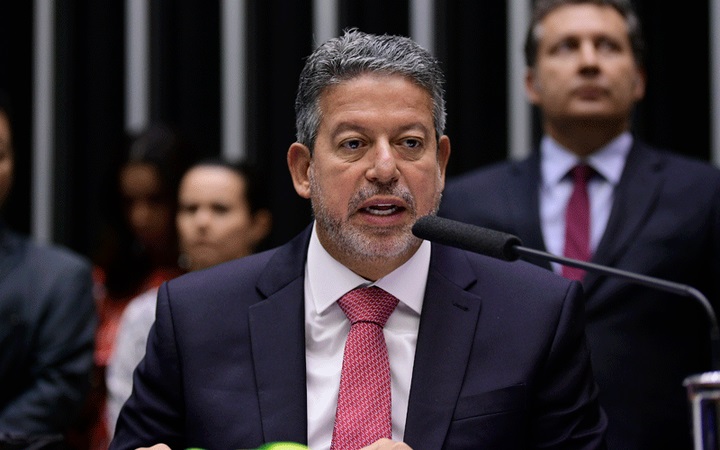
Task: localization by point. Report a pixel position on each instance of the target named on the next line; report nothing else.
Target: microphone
(508, 247)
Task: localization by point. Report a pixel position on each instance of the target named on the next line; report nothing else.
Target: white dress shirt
(556, 187)
(327, 327)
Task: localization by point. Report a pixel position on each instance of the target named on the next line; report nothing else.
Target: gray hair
(544, 7)
(356, 53)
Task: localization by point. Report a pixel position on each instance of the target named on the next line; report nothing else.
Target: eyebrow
(351, 126)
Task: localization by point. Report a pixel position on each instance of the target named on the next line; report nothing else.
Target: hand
(387, 444)
(155, 447)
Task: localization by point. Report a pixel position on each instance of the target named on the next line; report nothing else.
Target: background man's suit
(47, 328)
(225, 363)
(665, 222)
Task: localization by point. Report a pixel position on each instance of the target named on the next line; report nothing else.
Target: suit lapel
(634, 199)
(447, 325)
(278, 344)
(525, 205)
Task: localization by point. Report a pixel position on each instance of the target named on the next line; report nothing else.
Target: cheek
(425, 185)
(335, 188)
(185, 228)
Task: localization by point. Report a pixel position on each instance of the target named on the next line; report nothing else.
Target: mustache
(386, 189)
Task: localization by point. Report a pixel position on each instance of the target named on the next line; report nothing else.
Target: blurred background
(83, 73)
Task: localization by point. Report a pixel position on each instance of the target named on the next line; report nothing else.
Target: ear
(298, 159)
(532, 86)
(443, 155)
(639, 83)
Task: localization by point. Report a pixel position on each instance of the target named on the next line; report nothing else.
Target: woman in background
(222, 214)
(137, 252)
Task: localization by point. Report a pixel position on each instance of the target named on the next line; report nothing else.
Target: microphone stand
(703, 389)
(657, 283)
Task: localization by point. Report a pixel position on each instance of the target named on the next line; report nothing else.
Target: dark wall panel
(279, 37)
(471, 44)
(16, 65)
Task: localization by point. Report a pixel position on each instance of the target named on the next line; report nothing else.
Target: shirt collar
(608, 161)
(329, 279)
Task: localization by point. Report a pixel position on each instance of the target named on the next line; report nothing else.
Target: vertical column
(233, 92)
(137, 64)
(519, 112)
(43, 132)
(325, 20)
(422, 23)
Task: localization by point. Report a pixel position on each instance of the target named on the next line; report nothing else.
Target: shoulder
(491, 274)
(482, 175)
(48, 260)
(676, 163)
(234, 274)
(54, 255)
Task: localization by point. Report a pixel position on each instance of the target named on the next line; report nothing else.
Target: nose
(202, 218)
(588, 54)
(384, 164)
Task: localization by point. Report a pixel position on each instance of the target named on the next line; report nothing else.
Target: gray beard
(356, 241)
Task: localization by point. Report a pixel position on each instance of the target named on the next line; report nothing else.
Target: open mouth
(383, 209)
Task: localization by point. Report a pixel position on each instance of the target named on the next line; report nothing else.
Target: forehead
(139, 179)
(212, 182)
(582, 20)
(373, 95)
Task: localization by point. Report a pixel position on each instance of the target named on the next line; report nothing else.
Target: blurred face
(585, 67)
(214, 220)
(376, 168)
(149, 212)
(6, 158)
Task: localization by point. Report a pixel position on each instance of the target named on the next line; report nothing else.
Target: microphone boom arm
(657, 283)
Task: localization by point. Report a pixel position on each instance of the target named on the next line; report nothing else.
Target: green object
(282, 446)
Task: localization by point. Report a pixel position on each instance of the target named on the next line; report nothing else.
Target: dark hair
(544, 7)
(125, 262)
(353, 54)
(256, 192)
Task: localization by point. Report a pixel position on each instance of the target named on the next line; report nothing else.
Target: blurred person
(47, 326)
(465, 351)
(138, 253)
(223, 214)
(650, 211)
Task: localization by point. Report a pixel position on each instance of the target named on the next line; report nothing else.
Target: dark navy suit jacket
(665, 222)
(501, 359)
(47, 329)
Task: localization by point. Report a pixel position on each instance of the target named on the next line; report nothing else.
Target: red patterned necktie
(577, 221)
(364, 406)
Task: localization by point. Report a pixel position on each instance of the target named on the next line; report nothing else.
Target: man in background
(593, 191)
(47, 325)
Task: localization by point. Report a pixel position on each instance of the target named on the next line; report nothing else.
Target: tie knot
(581, 173)
(370, 304)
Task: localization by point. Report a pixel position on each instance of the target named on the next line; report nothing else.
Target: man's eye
(607, 45)
(353, 144)
(564, 46)
(412, 143)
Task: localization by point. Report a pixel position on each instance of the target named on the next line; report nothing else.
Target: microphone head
(468, 237)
